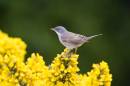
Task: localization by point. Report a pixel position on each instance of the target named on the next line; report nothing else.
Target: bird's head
(59, 30)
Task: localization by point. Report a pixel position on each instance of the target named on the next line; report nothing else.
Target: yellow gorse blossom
(63, 71)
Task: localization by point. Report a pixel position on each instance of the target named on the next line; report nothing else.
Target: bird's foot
(71, 52)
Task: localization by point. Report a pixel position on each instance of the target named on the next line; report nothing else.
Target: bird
(71, 40)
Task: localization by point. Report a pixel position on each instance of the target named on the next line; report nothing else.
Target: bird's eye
(60, 30)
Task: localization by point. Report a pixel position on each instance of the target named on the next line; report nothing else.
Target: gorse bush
(63, 71)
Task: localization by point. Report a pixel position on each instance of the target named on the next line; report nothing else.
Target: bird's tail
(91, 37)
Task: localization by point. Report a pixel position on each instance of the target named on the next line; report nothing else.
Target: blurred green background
(32, 19)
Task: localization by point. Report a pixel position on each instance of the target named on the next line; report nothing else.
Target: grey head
(59, 30)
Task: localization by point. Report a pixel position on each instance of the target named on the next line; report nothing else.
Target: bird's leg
(72, 51)
(69, 53)
(75, 50)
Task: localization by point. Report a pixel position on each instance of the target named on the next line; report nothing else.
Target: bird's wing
(74, 38)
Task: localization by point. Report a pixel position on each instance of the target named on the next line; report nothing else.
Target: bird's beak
(52, 29)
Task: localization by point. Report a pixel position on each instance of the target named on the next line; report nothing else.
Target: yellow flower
(63, 71)
(99, 75)
(12, 46)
